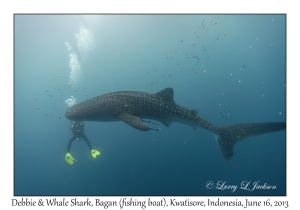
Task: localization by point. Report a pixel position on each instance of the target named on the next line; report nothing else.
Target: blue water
(232, 68)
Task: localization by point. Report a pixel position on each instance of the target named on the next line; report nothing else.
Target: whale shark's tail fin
(228, 135)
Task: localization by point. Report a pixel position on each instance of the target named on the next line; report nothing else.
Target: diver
(77, 128)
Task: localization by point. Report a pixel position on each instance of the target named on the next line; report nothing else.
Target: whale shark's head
(95, 109)
(74, 113)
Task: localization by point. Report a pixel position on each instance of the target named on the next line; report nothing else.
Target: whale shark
(133, 108)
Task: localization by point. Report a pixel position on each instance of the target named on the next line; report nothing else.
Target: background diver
(77, 128)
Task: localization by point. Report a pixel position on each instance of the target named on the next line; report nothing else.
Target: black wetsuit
(78, 132)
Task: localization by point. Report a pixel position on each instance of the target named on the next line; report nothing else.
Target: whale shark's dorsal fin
(166, 94)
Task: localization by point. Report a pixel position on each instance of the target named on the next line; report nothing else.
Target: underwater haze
(232, 68)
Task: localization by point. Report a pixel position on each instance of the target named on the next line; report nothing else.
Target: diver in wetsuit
(77, 128)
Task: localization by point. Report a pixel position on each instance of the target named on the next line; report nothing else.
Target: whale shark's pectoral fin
(134, 121)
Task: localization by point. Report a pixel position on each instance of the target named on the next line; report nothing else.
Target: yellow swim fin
(95, 153)
(69, 158)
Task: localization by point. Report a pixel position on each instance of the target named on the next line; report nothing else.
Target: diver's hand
(95, 153)
(69, 159)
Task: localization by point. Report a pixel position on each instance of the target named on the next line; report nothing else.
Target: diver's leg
(69, 157)
(70, 143)
(83, 136)
(93, 151)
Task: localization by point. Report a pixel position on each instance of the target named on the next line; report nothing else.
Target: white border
(8, 8)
